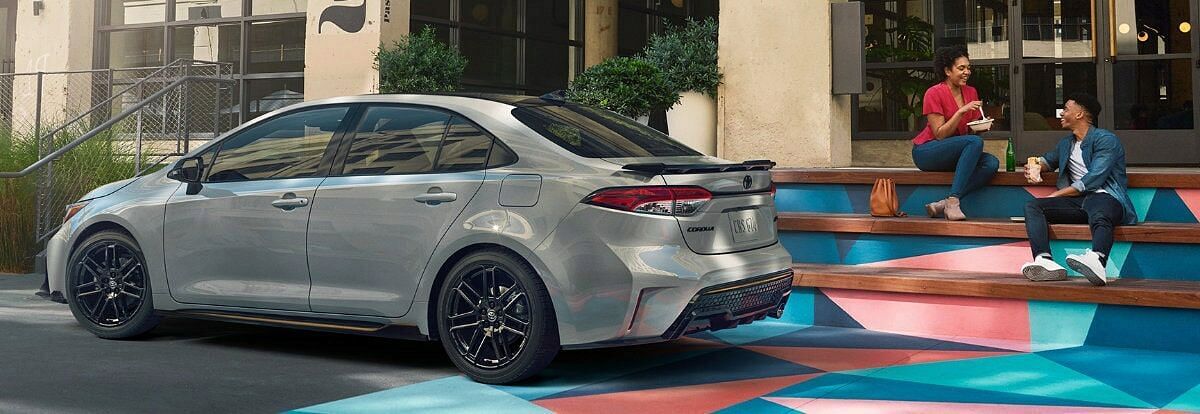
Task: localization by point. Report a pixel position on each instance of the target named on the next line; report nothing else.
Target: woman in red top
(944, 144)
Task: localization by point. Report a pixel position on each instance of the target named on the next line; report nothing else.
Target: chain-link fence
(65, 133)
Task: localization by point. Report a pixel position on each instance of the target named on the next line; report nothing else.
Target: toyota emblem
(747, 182)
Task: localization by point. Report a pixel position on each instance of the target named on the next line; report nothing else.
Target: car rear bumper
(735, 303)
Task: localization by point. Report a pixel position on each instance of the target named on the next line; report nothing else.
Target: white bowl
(980, 125)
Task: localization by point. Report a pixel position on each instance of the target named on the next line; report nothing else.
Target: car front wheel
(495, 318)
(108, 287)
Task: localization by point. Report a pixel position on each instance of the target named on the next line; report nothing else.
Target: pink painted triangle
(1007, 257)
(689, 399)
(835, 406)
(1191, 198)
(849, 359)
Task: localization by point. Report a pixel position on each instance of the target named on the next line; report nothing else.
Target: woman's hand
(970, 106)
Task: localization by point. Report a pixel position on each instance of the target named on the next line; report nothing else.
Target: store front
(1137, 56)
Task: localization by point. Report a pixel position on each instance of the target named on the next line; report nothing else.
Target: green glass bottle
(1010, 160)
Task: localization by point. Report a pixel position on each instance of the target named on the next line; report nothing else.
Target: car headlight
(73, 209)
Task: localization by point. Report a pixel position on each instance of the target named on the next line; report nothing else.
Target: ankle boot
(935, 208)
(953, 210)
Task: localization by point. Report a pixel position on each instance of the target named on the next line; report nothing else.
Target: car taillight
(663, 200)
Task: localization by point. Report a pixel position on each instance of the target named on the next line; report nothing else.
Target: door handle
(434, 199)
(289, 201)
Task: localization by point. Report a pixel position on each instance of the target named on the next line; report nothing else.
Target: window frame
(323, 168)
(338, 169)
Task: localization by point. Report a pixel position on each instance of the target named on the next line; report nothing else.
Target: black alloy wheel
(108, 287)
(495, 319)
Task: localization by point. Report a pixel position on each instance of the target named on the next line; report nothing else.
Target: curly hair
(944, 58)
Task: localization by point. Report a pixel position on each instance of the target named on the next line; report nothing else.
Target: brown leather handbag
(884, 202)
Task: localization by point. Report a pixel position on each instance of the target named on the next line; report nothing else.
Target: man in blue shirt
(1092, 189)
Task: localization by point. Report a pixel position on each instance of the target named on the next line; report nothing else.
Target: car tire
(108, 286)
(479, 326)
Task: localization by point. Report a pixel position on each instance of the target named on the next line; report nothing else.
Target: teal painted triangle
(1055, 325)
(1168, 207)
(1027, 374)
(1189, 401)
(757, 406)
(1156, 377)
(799, 308)
(842, 386)
(1142, 198)
(1117, 256)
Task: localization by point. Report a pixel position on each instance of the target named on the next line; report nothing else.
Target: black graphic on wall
(348, 18)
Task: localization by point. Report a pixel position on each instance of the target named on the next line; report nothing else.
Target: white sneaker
(1088, 264)
(1042, 269)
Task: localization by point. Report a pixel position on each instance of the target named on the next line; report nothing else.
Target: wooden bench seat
(1135, 292)
(1148, 232)
(908, 176)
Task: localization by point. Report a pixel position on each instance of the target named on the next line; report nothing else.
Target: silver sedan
(506, 227)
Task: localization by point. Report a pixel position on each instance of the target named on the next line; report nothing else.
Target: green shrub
(687, 56)
(96, 162)
(419, 63)
(628, 86)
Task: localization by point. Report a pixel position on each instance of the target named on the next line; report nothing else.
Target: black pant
(1100, 211)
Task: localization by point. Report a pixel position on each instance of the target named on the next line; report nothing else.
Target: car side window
(396, 140)
(288, 146)
(465, 147)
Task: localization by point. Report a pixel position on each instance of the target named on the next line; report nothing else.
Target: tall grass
(98, 161)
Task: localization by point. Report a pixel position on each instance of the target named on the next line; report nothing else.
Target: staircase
(932, 277)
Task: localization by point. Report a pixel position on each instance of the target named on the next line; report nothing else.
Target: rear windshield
(597, 133)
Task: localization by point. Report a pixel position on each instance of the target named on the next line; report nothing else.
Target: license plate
(744, 225)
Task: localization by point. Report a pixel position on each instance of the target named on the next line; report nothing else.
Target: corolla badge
(348, 18)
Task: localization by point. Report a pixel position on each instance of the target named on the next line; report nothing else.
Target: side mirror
(190, 171)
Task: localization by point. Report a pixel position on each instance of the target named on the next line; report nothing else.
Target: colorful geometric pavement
(782, 366)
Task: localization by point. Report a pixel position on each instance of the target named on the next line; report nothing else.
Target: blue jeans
(963, 155)
(1100, 211)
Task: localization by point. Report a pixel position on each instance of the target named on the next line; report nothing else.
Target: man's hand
(1033, 171)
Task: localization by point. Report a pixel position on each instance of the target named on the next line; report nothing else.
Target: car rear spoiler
(657, 168)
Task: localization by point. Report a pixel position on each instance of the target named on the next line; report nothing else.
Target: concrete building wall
(898, 153)
(59, 38)
(339, 60)
(600, 31)
(776, 100)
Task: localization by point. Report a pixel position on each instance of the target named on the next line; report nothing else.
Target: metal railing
(89, 128)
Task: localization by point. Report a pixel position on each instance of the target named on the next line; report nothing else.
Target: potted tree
(628, 86)
(419, 63)
(687, 56)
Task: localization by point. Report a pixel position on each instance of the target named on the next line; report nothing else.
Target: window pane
(438, 9)
(898, 31)
(548, 18)
(1154, 94)
(394, 140)
(982, 26)
(465, 148)
(547, 66)
(276, 46)
(1057, 28)
(216, 43)
(892, 100)
(490, 58)
(285, 147)
(264, 7)
(632, 31)
(495, 14)
(267, 95)
(207, 9)
(1153, 27)
(135, 48)
(137, 11)
(1047, 84)
(597, 133)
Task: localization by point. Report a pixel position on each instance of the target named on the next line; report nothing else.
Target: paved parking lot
(50, 364)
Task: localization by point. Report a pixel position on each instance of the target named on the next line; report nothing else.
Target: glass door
(1150, 73)
(1137, 56)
